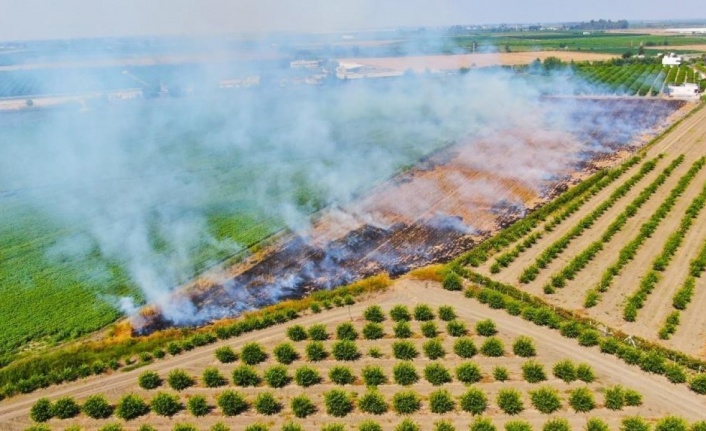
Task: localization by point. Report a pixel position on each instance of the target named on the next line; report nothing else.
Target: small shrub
(285, 353)
(698, 384)
(338, 403)
(374, 313)
(404, 350)
(441, 402)
(596, 424)
(400, 313)
(559, 424)
(474, 401)
(533, 372)
(373, 331)
(372, 402)
(452, 281)
(375, 352)
(41, 410)
(405, 374)
(652, 362)
(482, 424)
(546, 400)
(184, 427)
(307, 376)
(130, 407)
(589, 337)
(297, 333)
(257, 427)
(232, 403)
(468, 373)
(302, 406)
(500, 374)
(315, 351)
(277, 376)
(581, 400)
(146, 427)
(698, 426)
(406, 402)
(369, 425)
(518, 425)
(493, 347)
(165, 404)
(334, 426)
(570, 329)
(675, 373)
(198, 406)
(465, 348)
(291, 426)
(65, 408)
(149, 380)
(179, 380)
(220, 426)
(315, 307)
(456, 328)
(671, 423)
(266, 404)
(212, 378)
(447, 313)
(429, 329)
(253, 354)
(524, 347)
(345, 350)
(433, 349)
(373, 376)
(341, 375)
(486, 328)
(632, 397)
(402, 329)
(226, 354)
(614, 398)
(443, 425)
(423, 312)
(407, 425)
(565, 370)
(317, 332)
(245, 375)
(106, 427)
(346, 331)
(436, 374)
(584, 372)
(634, 423)
(97, 407)
(510, 401)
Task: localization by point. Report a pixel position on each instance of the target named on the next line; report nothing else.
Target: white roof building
(671, 59)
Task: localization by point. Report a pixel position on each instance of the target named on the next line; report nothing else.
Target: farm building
(671, 60)
(684, 91)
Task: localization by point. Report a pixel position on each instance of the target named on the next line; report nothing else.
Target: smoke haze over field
(164, 188)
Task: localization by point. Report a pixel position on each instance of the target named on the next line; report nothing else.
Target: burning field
(441, 207)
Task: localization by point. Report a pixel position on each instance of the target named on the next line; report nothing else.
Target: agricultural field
(629, 256)
(397, 360)
(638, 79)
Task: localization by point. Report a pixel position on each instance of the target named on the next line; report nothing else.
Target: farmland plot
(537, 367)
(633, 279)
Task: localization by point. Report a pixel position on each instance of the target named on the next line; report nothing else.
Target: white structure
(693, 30)
(671, 59)
(305, 64)
(686, 91)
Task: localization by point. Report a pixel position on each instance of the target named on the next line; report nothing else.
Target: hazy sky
(33, 19)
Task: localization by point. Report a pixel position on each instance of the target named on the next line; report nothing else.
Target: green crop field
(58, 280)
